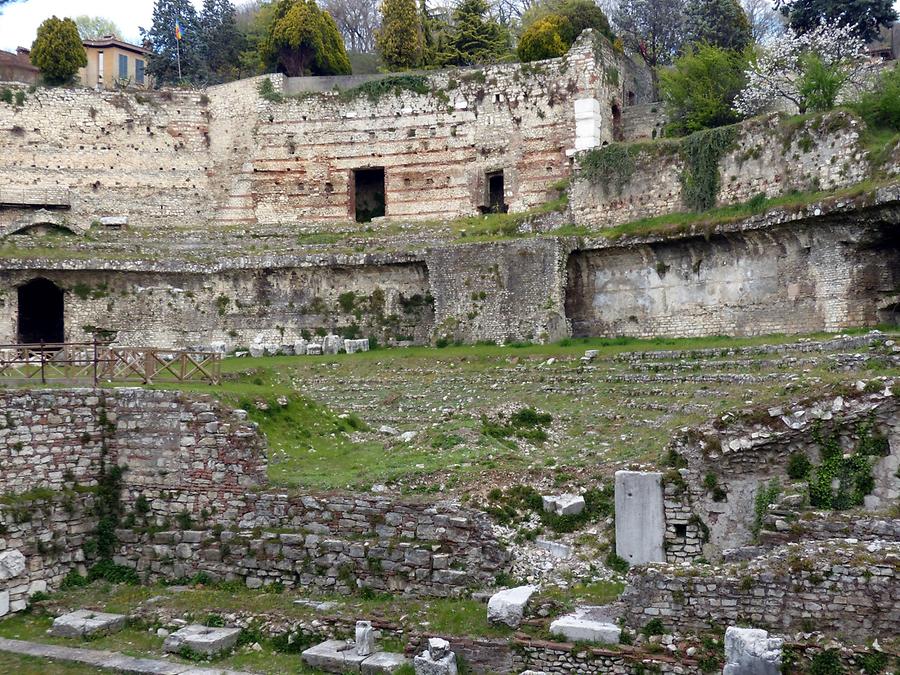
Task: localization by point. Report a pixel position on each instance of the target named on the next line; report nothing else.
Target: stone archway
(40, 312)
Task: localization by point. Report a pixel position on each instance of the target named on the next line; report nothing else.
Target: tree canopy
(700, 89)
(543, 39)
(474, 37)
(652, 28)
(58, 51)
(400, 39)
(161, 39)
(94, 27)
(578, 14)
(717, 22)
(304, 40)
(866, 16)
(221, 40)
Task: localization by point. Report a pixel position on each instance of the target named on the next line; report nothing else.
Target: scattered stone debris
(580, 626)
(750, 651)
(508, 606)
(563, 505)
(438, 659)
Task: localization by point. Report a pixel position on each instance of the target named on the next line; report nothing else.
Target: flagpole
(178, 56)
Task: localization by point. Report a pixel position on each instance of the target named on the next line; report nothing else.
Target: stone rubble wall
(50, 531)
(745, 457)
(769, 157)
(328, 543)
(565, 659)
(228, 156)
(53, 438)
(795, 277)
(839, 587)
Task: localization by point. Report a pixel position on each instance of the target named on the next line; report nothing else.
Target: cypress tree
(399, 41)
(58, 51)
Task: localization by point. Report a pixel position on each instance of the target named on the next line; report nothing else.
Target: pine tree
(475, 37)
(721, 23)
(304, 40)
(58, 51)
(162, 42)
(222, 43)
(399, 41)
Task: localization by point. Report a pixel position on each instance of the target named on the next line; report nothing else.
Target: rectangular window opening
(123, 67)
(368, 197)
(139, 71)
(495, 199)
(681, 531)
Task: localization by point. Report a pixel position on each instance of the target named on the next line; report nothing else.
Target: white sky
(20, 20)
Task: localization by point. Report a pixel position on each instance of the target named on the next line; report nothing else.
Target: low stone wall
(332, 543)
(50, 531)
(768, 156)
(839, 587)
(567, 659)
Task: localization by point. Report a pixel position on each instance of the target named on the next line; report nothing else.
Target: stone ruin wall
(744, 458)
(228, 156)
(769, 156)
(200, 470)
(837, 587)
(795, 277)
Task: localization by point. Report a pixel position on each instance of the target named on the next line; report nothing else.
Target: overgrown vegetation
(517, 503)
(526, 423)
(376, 90)
(766, 495)
(702, 151)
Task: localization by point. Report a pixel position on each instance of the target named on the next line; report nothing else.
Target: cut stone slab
(555, 548)
(563, 505)
(436, 660)
(383, 662)
(334, 656)
(577, 629)
(508, 606)
(12, 564)
(640, 517)
(750, 651)
(85, 623)
(206, 640)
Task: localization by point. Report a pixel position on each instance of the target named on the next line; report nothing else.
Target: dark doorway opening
(40, 312)
(618, 132)
(368, 194)
(495, 201)
(681, 531)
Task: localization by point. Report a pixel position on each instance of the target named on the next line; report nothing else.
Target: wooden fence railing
(96, 362)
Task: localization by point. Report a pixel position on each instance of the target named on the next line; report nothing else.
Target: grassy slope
(600, 416)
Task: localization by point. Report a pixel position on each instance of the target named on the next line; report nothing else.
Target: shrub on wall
(58, 51)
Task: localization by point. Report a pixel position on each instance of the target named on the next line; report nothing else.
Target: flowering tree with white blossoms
(807, 70)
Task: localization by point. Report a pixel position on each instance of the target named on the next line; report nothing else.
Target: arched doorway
(40, 312)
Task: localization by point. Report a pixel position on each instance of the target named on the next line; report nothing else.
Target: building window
(123, 67)
(139, 71)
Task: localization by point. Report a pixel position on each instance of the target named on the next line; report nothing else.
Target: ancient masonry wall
(276, 301)
(798, 277)
(230, 156)
(744, 458)
(768, 157)
(194, 501)
(839, 587)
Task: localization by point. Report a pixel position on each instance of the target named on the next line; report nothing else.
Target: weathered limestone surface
(640, 517)
(207, 640)
(750, 651)
(575, 628)
(508, 606)
(87, 623)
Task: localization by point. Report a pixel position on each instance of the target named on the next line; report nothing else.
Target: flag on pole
(177, 30)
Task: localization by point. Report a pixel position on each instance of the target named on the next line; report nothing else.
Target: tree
(399, 40)
(880, 107)
(866, 16)
(474, 36)
(717, 22)
(700, 89)
(543, 39)
(357, 20)
(652, 28)
(765, 21)
(58, 51)
(221, 41)
(807, 70)
(95, 27)
(304, 40)
(253, 21)
(161, 39)
(579, 15)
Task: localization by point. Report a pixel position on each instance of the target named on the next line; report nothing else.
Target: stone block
(4, 603)
(86, 623)
(640, 517)
(750, 651)
(365, 638)
(353, 346)
(508, 606)
(12, 564)
(576, 629)
(383, 662)
(334, 656)
(206, 640)
(314, 349)
(563, 505)
(436, 660)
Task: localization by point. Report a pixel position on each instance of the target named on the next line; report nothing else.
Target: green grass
(32, 665)
(326, 436)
